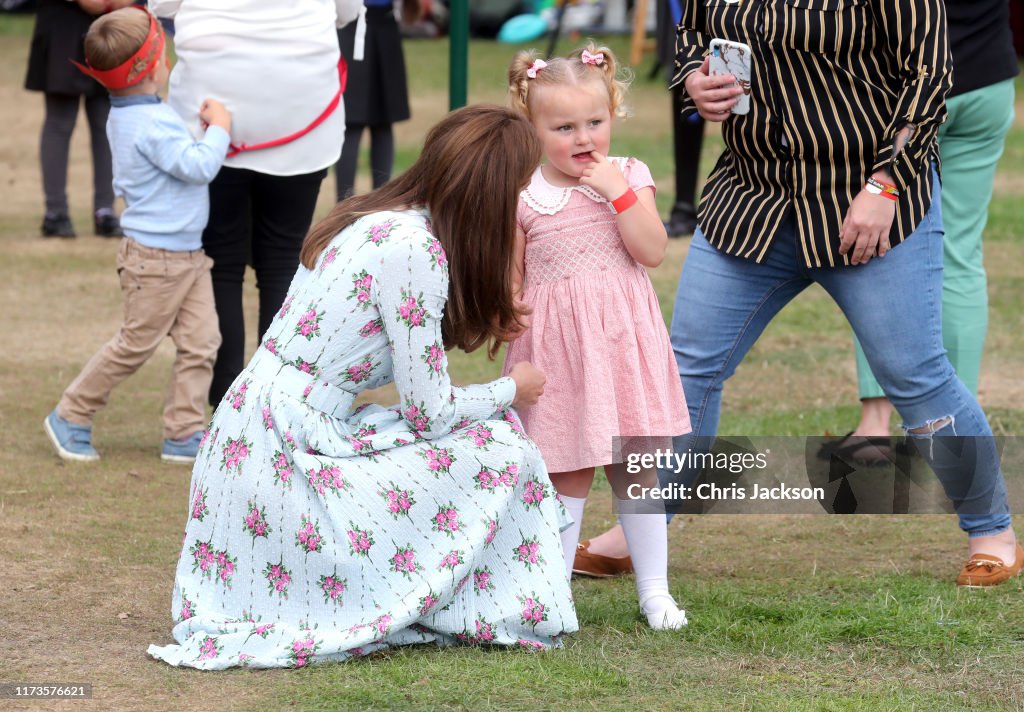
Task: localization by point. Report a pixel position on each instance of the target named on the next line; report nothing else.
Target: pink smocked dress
(596, 331)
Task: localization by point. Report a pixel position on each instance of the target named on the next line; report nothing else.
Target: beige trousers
(165, 294)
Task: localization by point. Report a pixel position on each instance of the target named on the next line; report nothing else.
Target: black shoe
(107, 225)
(681, 222)
(858, 450)
(59, 226)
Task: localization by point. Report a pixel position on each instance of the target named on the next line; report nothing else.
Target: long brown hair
(474, 163)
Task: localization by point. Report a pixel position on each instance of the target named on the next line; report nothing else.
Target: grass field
(787, 612)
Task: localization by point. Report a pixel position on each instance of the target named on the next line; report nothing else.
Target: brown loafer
(984, 570)
(599, 566)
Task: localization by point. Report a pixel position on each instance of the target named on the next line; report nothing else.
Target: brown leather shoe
(984, 570)
(599, 566)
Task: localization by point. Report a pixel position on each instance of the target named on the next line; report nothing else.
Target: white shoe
(662, 613)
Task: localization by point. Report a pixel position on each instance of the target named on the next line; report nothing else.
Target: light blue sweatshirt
(162, 172)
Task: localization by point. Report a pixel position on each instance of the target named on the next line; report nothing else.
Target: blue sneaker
(184, 450)
(72, 442)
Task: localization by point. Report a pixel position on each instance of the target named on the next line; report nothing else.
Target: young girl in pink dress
(587, 228)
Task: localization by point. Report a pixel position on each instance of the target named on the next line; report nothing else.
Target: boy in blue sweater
(162, 173)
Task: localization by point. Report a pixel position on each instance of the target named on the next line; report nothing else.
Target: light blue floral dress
(319, 532)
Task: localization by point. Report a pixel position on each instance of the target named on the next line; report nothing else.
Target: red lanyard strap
(234, 150)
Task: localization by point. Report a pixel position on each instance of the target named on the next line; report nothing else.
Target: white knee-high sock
(647, 538)
(571, 536)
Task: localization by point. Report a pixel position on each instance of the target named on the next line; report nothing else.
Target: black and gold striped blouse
(832, 83)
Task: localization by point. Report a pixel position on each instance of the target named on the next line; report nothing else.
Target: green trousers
(970, 144)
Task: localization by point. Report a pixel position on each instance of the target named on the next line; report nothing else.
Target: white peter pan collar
(548, 199)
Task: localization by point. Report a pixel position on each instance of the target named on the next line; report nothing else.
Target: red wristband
(886, 190)
(625, 201)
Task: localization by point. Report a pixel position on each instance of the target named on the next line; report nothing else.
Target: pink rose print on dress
(286, 306)
(209, 648)
(255, 521)
(278, 578)
(461, 584)
(302, 651)
(481, 436)
(528, 553)
(234, 454)
(434, 357)
(204, 558)
(439, 460)
(398, 501)
(534, 494)
(534, 612)
(483, 633)
(268, 419)
(333, 587)
(186, 608)
(308, 325)
(327, 478)
(329, 257)
(202, 440)
(372, 328)
(492, 530)
(446, 521)
(517, 427)
(413, 414)
(244, 659)
(226, 565)
(379, 233)
(530, 644)
(290, 441)
(361, 286)
(382, 624)
(493, 479)
(427, 603)
(199, 508)
(404, 561)
(358, 373)
(482, 580)
(308, 537)
(261, 631)
(236, 398)
(306, 367)
(451, 560)
(359, 541)
(282, 469)
(411, 311)
(437, 256)
(271, 345)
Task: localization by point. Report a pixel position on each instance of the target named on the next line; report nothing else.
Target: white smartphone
(728, 57)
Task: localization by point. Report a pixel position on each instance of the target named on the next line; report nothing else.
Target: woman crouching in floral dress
(320, 531)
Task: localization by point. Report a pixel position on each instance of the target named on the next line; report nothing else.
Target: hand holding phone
(733, 58)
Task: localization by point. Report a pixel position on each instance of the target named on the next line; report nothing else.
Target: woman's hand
(865, 230)
(712, 95)
(604, 176)
(529, 384)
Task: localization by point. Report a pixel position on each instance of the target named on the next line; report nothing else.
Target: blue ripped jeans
(894, 306)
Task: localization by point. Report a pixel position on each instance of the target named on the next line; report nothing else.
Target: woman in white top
(275, 66)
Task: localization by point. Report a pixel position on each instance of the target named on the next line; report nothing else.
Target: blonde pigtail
(519, 82)
(615, 76)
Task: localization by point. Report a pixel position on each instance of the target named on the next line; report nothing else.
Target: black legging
(382, 157)
(55, 146)
(262, 218)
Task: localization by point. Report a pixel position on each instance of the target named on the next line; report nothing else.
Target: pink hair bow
(538, 64)
(595, 59)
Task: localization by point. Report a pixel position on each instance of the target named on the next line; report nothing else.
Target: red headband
(137, 67)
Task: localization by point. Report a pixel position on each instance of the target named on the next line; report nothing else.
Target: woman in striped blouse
(832, 178)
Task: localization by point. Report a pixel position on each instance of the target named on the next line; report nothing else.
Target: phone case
(732, 58)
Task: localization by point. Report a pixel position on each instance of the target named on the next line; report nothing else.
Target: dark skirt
(376, 91)
(58, 38)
